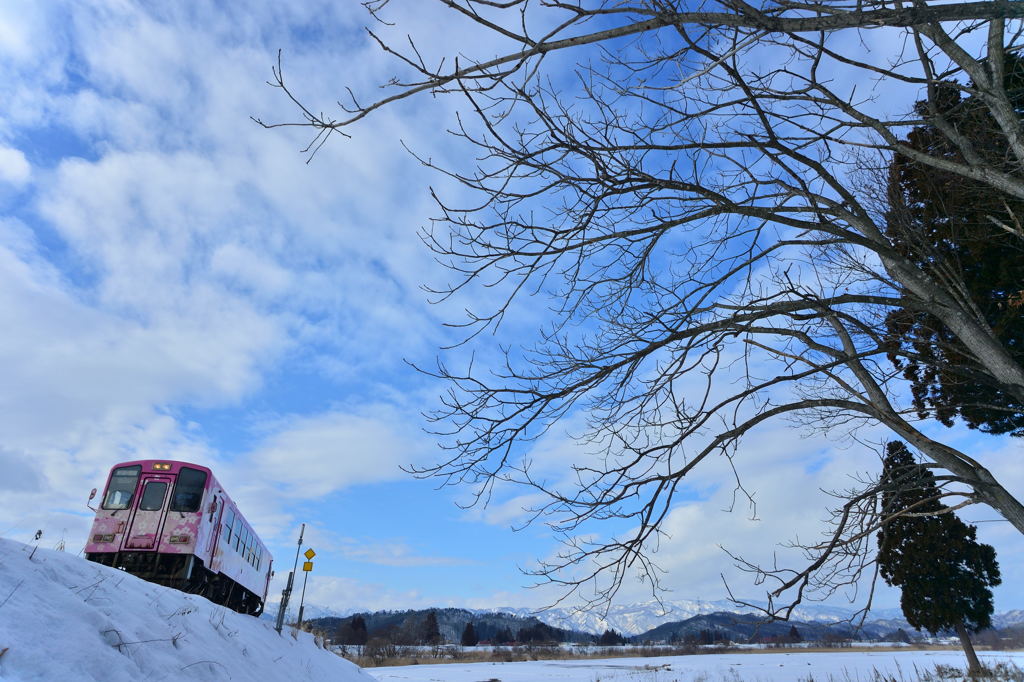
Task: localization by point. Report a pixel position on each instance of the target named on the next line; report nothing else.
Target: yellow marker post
(307, 566)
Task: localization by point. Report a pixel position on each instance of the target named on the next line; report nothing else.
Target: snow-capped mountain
(309, 611)
(1008, 618)
(634, 619)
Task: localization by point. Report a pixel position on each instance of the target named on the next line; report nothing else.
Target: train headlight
(103, 538)
(161, 466)
(179, 539)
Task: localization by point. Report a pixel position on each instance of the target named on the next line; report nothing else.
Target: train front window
(188, 491)
(153, 496)
(122, 487)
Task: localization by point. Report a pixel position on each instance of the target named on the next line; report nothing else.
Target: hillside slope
(407, 625)
(64, 618)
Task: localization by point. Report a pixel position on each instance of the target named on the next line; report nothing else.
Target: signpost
(288, 588)
(307, 566)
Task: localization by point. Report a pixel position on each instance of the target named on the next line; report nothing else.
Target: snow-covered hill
(64, 618)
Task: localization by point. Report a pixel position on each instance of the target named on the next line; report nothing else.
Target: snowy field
(841, 666)
(64, 618)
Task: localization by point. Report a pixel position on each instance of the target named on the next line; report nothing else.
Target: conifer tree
(503, 636)
(611, 638)
(944, 573)
(960, 230)
(431, 631)
(359, 630)
(469, 637)
(352, 631)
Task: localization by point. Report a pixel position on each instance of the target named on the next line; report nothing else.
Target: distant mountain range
(638, 619)
(635, 619)
(408, 627)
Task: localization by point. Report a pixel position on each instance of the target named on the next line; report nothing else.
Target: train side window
(122, 487)
(239, 530)
(188, 491)
(229, 520)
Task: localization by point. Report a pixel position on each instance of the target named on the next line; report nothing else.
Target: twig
(212, 662)
(11, 595)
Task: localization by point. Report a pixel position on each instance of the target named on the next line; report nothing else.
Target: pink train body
(172, 523)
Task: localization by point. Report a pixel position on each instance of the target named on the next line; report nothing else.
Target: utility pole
(287, 593)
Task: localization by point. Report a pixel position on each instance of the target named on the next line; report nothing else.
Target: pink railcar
(172, 523)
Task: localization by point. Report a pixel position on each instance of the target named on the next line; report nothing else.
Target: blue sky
(176, 282)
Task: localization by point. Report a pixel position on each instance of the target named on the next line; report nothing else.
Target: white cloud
(19, 26)
(251, 270)
(313, 456)
(395, 552)
(14, 167)
(339, 592)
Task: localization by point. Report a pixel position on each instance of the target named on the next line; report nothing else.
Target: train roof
(175, 465)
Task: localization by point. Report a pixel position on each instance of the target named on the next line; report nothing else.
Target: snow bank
(65, 618)
(837, 666)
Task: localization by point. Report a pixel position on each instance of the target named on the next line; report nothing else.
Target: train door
(216, 513)
(150, 509)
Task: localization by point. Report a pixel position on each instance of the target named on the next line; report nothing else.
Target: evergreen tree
(431, 631)
(950, 226)
(611, 638)
(359, 634)
(503, 636)
(794, 635)
(944, 573)
(351, 631)
(469, 637)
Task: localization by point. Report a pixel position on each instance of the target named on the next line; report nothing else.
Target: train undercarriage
(184, 572)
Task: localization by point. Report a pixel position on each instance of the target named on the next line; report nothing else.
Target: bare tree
(698, 203)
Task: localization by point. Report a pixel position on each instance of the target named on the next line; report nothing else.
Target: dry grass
(402, 655)
(513, 654)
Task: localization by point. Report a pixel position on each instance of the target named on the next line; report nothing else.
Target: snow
(841, 666)
(65, 618)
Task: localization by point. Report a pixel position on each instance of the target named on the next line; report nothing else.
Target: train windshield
(122, 487)
(188, 491)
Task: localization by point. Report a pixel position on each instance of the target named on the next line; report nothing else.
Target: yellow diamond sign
(309, 553)
(307, 566)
